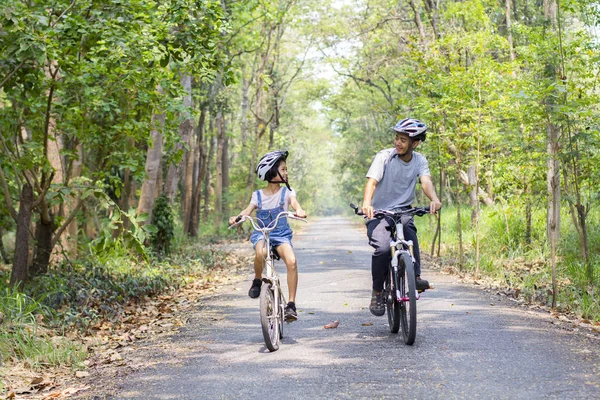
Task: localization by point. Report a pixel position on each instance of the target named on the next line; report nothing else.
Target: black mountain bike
(400, 286)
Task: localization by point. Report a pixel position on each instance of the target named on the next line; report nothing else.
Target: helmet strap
(282, 181)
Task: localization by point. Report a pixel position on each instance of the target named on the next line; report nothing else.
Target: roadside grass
(524, 267)
(45, 326)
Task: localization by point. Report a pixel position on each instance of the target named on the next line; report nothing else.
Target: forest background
(130, 131)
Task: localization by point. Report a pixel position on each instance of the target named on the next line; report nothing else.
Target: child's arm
(246, 211)
(297, 208)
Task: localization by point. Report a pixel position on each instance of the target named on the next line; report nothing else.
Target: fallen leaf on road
(367, 324)
(332, 325)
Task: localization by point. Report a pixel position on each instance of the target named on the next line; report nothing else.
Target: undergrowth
(513, 262)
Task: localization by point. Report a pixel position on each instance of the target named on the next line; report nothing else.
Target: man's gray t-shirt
(396, 179)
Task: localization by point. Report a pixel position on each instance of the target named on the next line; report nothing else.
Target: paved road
(469, 344)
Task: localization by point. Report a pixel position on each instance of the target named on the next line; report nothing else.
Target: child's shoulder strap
(282, 198)
(259, 199)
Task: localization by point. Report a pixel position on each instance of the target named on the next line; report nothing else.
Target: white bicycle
(272, 300)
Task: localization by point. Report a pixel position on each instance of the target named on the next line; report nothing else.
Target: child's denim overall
(282, 232)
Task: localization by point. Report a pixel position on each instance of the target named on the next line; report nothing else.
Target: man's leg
(379, 239)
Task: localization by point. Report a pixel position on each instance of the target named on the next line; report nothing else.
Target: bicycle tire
(269, 317)
(392, 305)
(281, 313)
(408, 290)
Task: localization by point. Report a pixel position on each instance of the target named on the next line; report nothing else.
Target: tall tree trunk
(225, 171)
(418, 21)
(201, 155)
(461, 260)
(473, 200)
(153, 160)
(186, 129)
(509, 37)
(207, 180)
(21, 258)
(3, 252)
(220, 122)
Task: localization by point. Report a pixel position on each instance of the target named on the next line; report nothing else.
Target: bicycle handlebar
(272, 224)
(418, 211)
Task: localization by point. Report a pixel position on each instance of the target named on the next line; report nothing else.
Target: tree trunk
(3, 252)
(473, 193)
(418, 20)
(218, 214)
(21, 258)
(43, 247)
(153, 159)
(225, 172)
(186, 129)
(201, 156)
(207, 188)
(461, 260)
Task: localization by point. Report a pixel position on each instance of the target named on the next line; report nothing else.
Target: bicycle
(272, 299)
(400, 287)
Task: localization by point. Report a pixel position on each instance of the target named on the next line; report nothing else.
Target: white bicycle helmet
(268, 161)
(414, 128)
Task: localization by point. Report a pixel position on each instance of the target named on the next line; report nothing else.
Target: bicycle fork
(398, 294)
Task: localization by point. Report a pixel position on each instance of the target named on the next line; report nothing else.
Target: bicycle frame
(399, 245)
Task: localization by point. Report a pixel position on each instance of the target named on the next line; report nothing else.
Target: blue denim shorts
(275, 240)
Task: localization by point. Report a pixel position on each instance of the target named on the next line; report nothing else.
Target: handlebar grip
(238, 219)
(357, 211)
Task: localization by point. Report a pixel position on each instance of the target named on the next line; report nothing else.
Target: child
(269, 202)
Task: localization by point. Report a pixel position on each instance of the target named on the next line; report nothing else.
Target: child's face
(283, 170)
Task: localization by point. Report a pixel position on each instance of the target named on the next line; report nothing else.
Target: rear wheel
(392, 305)
(408, 292)
(269, 317)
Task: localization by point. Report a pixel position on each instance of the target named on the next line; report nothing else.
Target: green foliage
(162, 219)
(22, 337)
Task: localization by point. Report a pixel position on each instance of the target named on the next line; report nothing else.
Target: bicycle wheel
(269, 317)
(391, 302)
(281, 313)
(408, 292)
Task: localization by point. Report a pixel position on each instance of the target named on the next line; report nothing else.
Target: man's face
(403, 144)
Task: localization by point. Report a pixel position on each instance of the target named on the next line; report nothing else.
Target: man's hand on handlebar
(434, 206)
(368, 211)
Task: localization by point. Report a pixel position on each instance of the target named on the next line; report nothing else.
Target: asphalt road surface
(470, 343)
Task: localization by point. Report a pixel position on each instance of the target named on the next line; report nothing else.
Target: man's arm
(429, 190)
(367, 208)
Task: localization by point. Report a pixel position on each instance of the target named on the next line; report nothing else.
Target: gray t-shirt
(396, 179)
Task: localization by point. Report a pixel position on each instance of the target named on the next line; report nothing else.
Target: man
(391, 182)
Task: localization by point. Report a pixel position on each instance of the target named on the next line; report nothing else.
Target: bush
(162, 219)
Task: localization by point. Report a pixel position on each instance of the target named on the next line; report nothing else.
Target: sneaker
(290, 312)
(254, 291)
(422, 284)
(377, 308)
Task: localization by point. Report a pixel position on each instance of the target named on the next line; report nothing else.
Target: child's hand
(232, 219)
(300, 213)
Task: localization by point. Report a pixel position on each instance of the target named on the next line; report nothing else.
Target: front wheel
(408, 292)
(269, 316)
(391, 302)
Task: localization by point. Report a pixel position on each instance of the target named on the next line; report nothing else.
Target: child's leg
(259, 256)
(286, 252)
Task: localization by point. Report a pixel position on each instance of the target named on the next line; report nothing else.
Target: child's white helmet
(268, 161)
